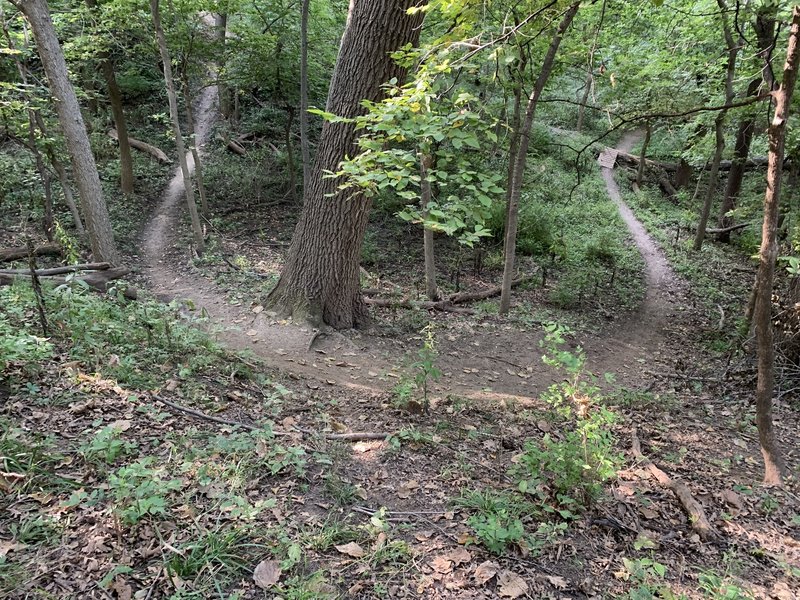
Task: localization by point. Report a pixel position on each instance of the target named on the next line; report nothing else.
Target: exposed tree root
(695, 512)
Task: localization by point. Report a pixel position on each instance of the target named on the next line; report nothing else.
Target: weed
(214, 552)
(137, 490)
(419, 375)
(575, 465)
(343, 493)
(647, 577)
(106, 446)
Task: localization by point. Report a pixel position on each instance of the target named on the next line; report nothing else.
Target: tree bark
(95, 211)
(430, 259)
(719, 127)
(643, 157)
(765, 27)
(305, 151)
(118, 114)
(198, 167)
(762, 314)
(320, 280)
(522, 157)
(176, 127)
(221, 28)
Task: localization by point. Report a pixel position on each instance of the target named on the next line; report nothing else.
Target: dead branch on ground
(697, 516)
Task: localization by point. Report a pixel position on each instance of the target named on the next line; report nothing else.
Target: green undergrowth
(571, 228)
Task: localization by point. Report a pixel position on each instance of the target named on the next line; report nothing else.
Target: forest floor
(166, 480)
(690, 409)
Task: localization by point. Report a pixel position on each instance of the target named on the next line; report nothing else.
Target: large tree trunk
(98, 224)
(522, 157)
(176, 127)
(305, 151)
(320, 280)
(762, 314)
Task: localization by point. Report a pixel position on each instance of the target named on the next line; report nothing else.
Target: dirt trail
(491, 364)
(640, 334)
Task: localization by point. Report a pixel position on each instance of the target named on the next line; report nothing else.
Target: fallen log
(447, 304)
(727, 229)
(157, 153)
(59, 270)
(697, 516)
(442, 305)
(236, 148)
(97, 280)
(725, 165)
(9, 254)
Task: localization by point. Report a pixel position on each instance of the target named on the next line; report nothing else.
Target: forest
(443, 299)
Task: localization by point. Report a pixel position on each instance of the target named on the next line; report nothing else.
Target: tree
(522, 156)
(320, 279)
(118, 114)
(305, 151)
(95, 211)
(176, 126)
(719, 126)
(768, 254)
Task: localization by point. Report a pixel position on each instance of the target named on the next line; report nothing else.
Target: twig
(59, 270)
(206, 417)
(351, 437)
(697, 516)
(683, 376)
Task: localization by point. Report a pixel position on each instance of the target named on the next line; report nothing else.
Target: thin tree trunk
(176, 127)
(719, 128)
(98, 224)
(762, 314)
(120, 124)
(522, 156)
(744, 136)
(713, 180)
(63, 179)
(305, 150)
(320, 279)
(516, 119)
(198, 167)
(431, 288)
(44, 175)
(290, 166)
(585, 99)
(224, 93)
(118, 115)
(642, 158)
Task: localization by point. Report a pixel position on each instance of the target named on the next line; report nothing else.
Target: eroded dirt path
(498, 362)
